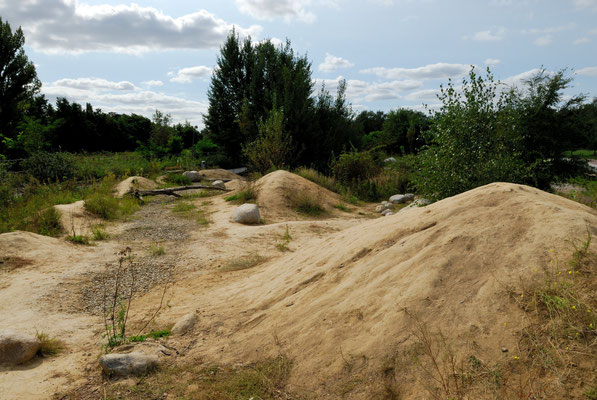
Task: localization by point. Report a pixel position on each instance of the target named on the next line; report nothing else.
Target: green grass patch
(342, 207)
(153, 334)
(78, 239)
(307, 204)
(582, 153)
(248, 195)
(317, 177)
(157, 250)
(98, 233)
(183, 207)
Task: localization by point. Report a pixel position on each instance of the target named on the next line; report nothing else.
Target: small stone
(398, 199)
(504, 350)
(385, 213)
(135, 363)
(184, 324)
(379, 208)
(219, 184)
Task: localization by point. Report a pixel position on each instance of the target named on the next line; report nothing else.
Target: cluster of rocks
(387, 207)
(195, 176)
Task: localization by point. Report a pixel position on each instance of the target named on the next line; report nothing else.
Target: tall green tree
(18, 79)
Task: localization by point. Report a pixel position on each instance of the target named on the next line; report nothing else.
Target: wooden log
(172, 191)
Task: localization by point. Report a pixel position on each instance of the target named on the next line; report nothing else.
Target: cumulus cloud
(588, 71)
(332, 63)
(488, 35)
(431, 71)
(358, 90)
(93, 84)
(424, 95)
(55, 26)
(519, 79)
(493, 61)
(271, 9)
(188, 75)
(106, 96)
(153, 83)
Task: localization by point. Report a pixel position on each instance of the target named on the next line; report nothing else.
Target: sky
(138, 57)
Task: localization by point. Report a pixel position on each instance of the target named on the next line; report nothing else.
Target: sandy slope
(337, 298)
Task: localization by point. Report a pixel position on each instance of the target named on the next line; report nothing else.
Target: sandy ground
(341, 293)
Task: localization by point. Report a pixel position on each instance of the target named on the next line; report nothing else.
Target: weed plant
(247, 195)
(49, 346)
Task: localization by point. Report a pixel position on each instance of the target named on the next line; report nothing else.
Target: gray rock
(388, 206)
(247, 214)
(16, 347)
(379, 208)
(192, 175)
(219, 184)
(390, 160)
(135, 363)
(409, 196)
(385, 213)
(422, 202)
(184, 324)
(397, 199)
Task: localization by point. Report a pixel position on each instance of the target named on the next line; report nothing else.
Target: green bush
(355, 166)
(48, 222)
(50, 167)
(103, 205)
(178, 179)
(317, 177)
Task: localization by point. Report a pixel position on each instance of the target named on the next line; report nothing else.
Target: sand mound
(236, 184)
(74, 217)
(132, 183)
(344, 301)
(30, 245)
(279, 190)
(213, 174)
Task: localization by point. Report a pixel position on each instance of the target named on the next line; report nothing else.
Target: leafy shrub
(50, 167)
(317, 177)
(48, 222)
(273, 147)
(103, 205)
(355, 166)
(178, 179)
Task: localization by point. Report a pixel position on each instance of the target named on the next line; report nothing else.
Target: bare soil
(339, 298)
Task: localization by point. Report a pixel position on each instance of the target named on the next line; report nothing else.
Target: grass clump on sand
(247, 195)
(307, 204)
(246, 262)
(317, 177)
(265, 379)
(49, 346)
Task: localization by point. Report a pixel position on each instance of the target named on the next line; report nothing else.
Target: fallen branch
(172, 191)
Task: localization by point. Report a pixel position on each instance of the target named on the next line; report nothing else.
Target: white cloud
(493, 61)
(58, 26)
(588, 71)
(586, 4)
(431, 71)
(332, 63)
(94, 84)
(423, 95)
(153, 83)
(358, 90)
(488, 35)
(188, 75)
(543, 40)
(581, 40)
(517, 80)
(138, 101)
(271, 9)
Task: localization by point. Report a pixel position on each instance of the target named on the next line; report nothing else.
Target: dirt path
(56, 286)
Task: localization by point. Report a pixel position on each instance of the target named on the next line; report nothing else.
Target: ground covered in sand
(348, 297)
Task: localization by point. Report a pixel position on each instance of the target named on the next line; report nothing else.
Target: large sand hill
(341, 303)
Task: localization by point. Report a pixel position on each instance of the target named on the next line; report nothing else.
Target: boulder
(219, 184)
(385, 213)
(387, 206)
(194, 176)
(16, 347)
(135, 363)
(247, 214)
(402, 198)
(184, 324)
(397, 199)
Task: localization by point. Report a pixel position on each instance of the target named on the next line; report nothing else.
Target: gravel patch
(156, 223)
